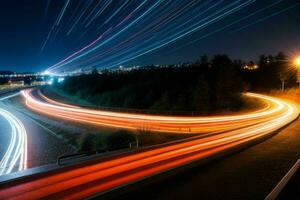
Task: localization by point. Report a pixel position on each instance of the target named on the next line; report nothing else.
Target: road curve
(39, 103)
(15, 157)
(100, 177)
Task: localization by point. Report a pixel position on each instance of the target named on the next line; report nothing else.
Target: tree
(203, 60)
(201, 96)
(119, 139)
(226, 86)
(27, 80)
(280, 57)
(163, 103)
(95, 71)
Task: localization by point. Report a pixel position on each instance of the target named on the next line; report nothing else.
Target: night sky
(66, 35)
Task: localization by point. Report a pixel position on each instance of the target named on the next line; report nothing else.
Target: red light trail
(174, 124)
(95, 178)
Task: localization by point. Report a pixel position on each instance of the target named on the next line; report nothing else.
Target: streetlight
(297, 63)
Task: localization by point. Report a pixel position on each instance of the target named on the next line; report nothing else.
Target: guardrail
(82, 159)
(274, 194)
(84, 154)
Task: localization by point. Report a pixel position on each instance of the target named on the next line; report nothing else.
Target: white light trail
(157, 123)
(15, 157)
(79, 182)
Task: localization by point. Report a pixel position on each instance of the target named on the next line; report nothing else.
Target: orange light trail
(120, 170)
(174, 124)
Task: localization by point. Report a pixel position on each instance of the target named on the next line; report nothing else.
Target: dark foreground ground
(248, 174)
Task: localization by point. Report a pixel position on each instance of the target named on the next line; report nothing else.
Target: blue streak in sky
(62, 12)
(228, 25)
(55, 25)
(180, 36)
(265, 18)
(139, 29)
(127, 27)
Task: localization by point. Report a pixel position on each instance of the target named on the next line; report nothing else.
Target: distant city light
(250, 67)
(51, 80)
(60, 79)
(46, 73)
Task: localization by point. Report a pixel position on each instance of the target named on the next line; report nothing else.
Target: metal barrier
(75, 155)
(283, 182)
(91, 153)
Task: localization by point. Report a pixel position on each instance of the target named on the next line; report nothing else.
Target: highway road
(15, 156)
(79, 182)
(175, 124)
(4, 136)
(24, 142)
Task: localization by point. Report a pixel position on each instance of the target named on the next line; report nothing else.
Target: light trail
(265, 18)
(227, 26)
(80, 16)
(56, 24)
(116, 12)
(155, 24)
(47, 7)
(15, 157)
(62, 13)
(105, 6)
(154, 18)
(80, 182)
(174, 124)
(91, 12)
(54, 102)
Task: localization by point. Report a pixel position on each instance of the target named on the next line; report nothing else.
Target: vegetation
(118, 140)
(204, 87)
(122, 139)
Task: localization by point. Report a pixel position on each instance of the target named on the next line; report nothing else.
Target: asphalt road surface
(83, 181)
(42, 146)
(4, 137)
(249, 174)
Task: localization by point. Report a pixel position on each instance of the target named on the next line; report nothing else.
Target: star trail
(101, 96)
(145, 26)
(86, 34)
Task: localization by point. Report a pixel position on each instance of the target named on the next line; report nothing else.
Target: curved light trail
(174, 124)
(80, 182)
(15, 158)
(54, 102)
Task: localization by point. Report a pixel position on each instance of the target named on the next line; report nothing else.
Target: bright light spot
(297, 61)
(46, 73)
(60, 79)
(50, 82)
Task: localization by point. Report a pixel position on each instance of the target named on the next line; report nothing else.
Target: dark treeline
(206, 86)
(203, 87)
